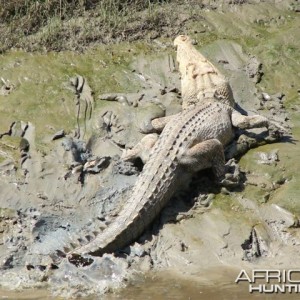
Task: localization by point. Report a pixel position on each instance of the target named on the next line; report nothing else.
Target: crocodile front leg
(160, 123)
(142, 149)
(275, 130)
(248, 122)
(206, 154)
(157, 124)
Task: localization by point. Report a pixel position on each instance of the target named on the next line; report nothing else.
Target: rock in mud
(254, 69)
(58, 135)
(267, 158)
(6, 88)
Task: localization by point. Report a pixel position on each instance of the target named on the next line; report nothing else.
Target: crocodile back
(161, 173)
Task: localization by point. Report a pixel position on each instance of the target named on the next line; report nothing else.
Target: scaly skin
(167, 161)
(190, 141)
(200, 79)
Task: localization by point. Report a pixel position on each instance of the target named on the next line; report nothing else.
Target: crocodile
(190, 141)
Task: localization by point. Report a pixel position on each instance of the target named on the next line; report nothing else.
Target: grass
(74, 24)
(43, 94)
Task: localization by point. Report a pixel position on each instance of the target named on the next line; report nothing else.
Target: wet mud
(61, 186)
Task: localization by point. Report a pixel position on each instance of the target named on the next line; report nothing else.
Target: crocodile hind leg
(160, 123)
(206, 154)
(142, 149)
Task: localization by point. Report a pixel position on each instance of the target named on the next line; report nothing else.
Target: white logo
(271, 281)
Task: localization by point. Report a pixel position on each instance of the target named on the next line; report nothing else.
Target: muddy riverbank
(66, 118)
(167, 286)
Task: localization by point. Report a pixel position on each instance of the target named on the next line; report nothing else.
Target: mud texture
(56, 198)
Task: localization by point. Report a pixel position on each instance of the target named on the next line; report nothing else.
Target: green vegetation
(42, 91)
(73, 24)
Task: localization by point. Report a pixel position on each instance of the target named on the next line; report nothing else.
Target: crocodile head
(182, 39)
(200, 79)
